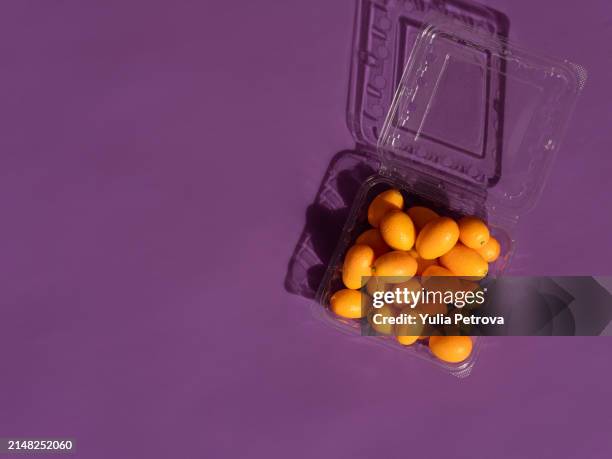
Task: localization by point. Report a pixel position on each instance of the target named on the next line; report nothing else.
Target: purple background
(157, 161)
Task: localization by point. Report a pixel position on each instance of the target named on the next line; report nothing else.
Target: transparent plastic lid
(472, 108)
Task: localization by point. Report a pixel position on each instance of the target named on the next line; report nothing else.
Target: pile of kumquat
(413, 245)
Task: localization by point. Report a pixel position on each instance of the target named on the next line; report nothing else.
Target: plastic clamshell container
(473, 129)
(473, 109)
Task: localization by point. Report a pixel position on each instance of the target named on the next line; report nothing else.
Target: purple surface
(157, 164)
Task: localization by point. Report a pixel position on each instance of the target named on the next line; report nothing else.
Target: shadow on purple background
(325, 218)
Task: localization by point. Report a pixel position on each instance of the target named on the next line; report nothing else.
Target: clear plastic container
(472, 129)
